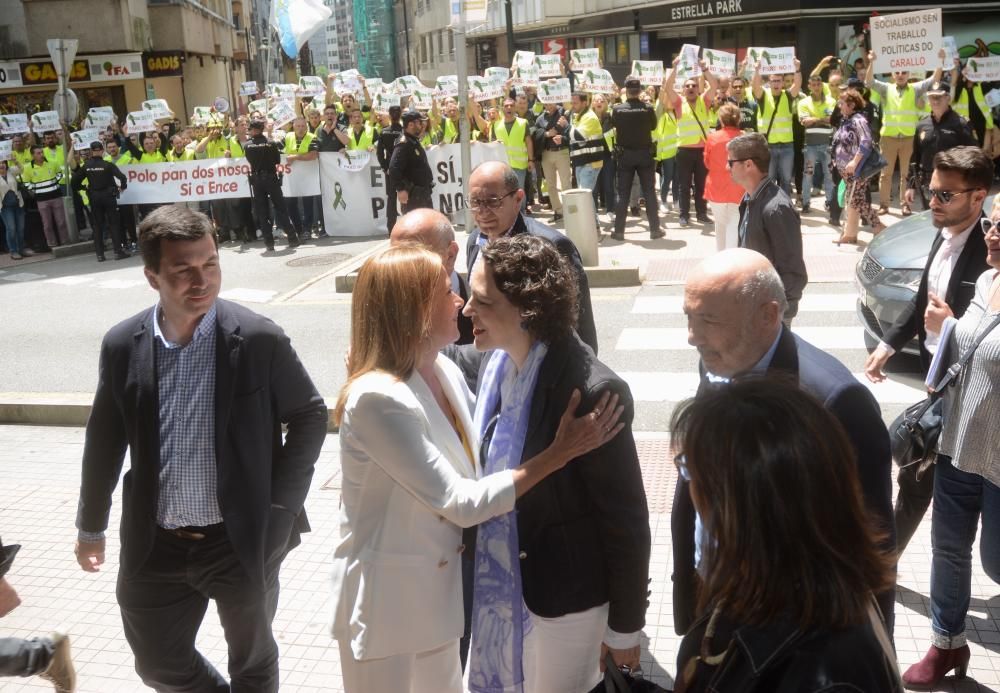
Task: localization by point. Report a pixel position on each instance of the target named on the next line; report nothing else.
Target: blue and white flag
(297, 20)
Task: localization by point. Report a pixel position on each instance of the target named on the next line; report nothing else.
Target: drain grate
(322, 260)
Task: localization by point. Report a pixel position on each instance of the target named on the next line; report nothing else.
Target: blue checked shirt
(188, 481)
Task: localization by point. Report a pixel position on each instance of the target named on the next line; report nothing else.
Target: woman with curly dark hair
(560, 581)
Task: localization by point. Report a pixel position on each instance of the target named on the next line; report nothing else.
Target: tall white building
(333, 45)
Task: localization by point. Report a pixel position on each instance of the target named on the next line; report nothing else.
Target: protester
(42, 180)
(551, 134)
(12, 212)
(513, 132)
(786, 596)
(298, 147)
(410, 460)
(815, 110)
(852, 145)
(775, 122)
(692, 112)
(721, 191)
(390, 133)
(607, 182)
(586, 142)
(966, 482)
(196, 525)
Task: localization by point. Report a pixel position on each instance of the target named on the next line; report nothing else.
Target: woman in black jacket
(790, 559)
(575, 552)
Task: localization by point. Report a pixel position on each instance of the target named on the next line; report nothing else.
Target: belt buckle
(185, 534)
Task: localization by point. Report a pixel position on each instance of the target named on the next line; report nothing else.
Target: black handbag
(913, 436)
(618, 681)
(872, 165)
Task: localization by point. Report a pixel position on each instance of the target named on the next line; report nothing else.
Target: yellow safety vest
(810, 108)
(186, 155)
(900, 115)
(665, 135)
(293, 146)
(235, 148)
(961, 104)
(56, 156)
(450, 135)
(154, 158)
(43, 180)
(425, 141)
(363, 143)
(517, 149)
(692, 128)
(22, 159)
(214, 149)
(781, 127)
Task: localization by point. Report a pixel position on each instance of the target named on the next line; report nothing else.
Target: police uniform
(634, 123)
(100, 176)
(264, 156)
(933, 136)
(409, 170)
(384, 147)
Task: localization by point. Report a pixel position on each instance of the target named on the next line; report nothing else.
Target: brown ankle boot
(936, 664)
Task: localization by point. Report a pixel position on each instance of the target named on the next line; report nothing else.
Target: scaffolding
(375, 42)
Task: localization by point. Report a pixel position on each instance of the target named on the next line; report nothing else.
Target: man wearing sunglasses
(937, 132)
(958, 187)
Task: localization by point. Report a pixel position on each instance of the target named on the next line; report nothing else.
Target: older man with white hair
(734, 302)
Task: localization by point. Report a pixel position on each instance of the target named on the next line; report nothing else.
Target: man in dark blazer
(956, 259)
(431, 229)
(197, 389)
(495, 199)
(734, 302)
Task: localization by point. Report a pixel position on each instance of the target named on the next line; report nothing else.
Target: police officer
(937, 132)
(385, 145)
(264, 156)
(409, 172)
(100, 176)
(634, 123)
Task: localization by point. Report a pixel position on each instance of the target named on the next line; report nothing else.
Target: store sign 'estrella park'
(717, 8)
(45, 72)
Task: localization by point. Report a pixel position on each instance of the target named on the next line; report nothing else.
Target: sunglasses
(946, 196)
(990, 227)
(476, 203)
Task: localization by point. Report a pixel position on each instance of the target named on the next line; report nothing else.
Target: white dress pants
(434, 671)
(562, 655)
(727, 224)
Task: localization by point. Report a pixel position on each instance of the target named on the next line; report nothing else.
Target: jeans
(960, 499)
(522, 175)
(25, 657)
(607, 184)
(13, 221)
(817, 157)
(586, 176)
(912, 501)
(782, 161)
(668, 181)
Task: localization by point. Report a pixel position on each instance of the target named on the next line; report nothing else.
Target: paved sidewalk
(39, 475)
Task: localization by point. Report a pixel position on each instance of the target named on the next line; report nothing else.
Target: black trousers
(691, 170)
(632, 162)
(126, 217)
(912, 501)
(421, 200)
(267, 192)
(391, 205)
(104, 207)
(25, 657)
(162, 608)
(300, 213)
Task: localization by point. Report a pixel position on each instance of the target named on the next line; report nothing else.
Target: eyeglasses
(680, 461)
(946, 196)
(990, 227)
(730, 162)
(476, 203)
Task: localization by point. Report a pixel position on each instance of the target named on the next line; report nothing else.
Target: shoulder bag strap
(694, 114)
(774, 113)
(956, 368)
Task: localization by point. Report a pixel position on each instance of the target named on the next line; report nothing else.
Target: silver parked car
(889, 274)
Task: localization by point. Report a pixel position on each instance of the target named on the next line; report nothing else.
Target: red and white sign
(112, 68)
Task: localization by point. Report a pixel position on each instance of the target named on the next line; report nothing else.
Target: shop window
(622, 52)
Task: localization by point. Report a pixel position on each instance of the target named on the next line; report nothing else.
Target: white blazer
(408, 487)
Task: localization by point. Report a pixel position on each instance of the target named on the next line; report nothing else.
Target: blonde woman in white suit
(409, 463)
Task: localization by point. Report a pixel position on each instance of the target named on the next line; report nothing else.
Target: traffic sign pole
(63, 52)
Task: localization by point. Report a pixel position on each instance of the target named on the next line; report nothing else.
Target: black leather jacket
(781, 658)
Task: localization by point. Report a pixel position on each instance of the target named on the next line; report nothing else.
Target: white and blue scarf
(500, 619)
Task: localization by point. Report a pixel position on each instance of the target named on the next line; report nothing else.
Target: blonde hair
(996, 203)
(390, 314)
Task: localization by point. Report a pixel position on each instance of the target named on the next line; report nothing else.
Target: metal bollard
(580, 220)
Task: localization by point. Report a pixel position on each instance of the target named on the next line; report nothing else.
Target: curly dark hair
(539, 281)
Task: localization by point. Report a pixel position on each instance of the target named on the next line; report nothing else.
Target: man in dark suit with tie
(495, 200)
(957, 257)
(734, 302)
(197, 389)
(431, 229)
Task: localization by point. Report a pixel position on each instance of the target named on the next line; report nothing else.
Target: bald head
(429, 228)
(734, 302)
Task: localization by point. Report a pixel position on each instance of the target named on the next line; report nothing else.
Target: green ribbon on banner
(338, 200)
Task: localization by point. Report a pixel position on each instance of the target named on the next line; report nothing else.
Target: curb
(71, 249)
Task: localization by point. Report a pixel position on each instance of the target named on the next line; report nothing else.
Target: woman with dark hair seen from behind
(788, 586)
(409, 479)
(852, 145)
(967, 470)
(561, 581)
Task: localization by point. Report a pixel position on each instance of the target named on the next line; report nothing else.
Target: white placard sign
(596, 81)
(43, 121)
(353, 160)
(482, 89)
(6, 150)
(249, 89)
(773, 61)
(406, 84)
(259, 106)
(992, 98)
(100, 117)
(140, 121)
(422, 98)
(689, 66)
(311, 85)
(13, 123)
(285, 92)
(649, 72)
(497, 75)
(159, 108)
(907, 41)
(584, 59)
(523, 59)
(983, 69)
(384, 100)
(548, 65)
(201, 115)
(446, 85)
(554, 90)
(281, 113)
(83, 138)
(720, 63)
(950, 52)
(525, 76)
